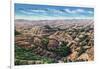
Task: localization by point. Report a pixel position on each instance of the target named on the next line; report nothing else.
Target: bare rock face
(37, 41)
(36, 30)
(72, 57)
(83, 57)
(24, 45)
(90, 53)
(77, 39)
(53, 44)
(20, 38)
(22, 42)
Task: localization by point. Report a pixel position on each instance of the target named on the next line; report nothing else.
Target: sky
(50, 12)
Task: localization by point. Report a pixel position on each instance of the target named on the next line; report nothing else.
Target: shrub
(22, 54)
(17, 33)
(63, 50)
(47, 26)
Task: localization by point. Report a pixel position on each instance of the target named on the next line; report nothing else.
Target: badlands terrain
(53, 41)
